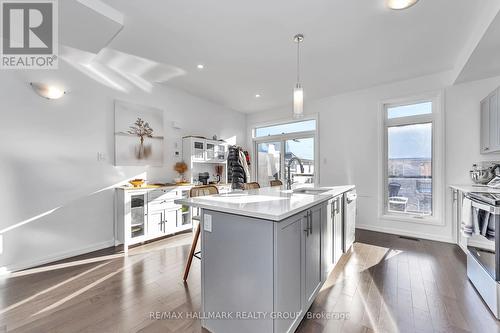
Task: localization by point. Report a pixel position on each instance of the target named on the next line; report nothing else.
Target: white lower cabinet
(156, 224)
(146, 214)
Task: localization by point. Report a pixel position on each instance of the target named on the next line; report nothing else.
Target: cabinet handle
(306, 230)
(310, 222)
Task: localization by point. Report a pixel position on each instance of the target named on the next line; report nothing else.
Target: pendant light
(298, 91)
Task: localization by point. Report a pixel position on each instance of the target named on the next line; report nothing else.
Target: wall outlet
(207, 222)
(101, 157)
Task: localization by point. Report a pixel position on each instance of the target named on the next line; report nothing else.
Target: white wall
(349, 142)
(49, 160)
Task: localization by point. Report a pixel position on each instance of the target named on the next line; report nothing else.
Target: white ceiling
(247, 48)
(485, 60)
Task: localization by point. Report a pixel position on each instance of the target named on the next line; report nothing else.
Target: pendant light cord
(298, 62)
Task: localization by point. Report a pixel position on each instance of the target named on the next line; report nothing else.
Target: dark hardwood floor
(386, 284)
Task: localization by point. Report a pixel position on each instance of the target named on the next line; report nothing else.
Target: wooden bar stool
(251, 186)
(275, 182)
(197, 191)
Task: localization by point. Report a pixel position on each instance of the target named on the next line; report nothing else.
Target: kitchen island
(266, 254)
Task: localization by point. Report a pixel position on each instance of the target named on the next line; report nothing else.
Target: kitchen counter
(269, 203)
(475, 188)
(253, 265)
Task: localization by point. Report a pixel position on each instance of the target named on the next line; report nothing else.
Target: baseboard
(400, 232)
(60, 256)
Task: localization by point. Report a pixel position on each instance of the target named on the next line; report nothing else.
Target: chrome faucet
(289, 178)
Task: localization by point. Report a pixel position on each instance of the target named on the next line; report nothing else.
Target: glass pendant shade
(298, 91)
(298, 101)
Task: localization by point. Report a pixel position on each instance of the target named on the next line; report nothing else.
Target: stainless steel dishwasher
(349, 226)
(483, 262)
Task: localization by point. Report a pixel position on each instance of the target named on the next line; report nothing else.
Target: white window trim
(280, 137)
(438, 158)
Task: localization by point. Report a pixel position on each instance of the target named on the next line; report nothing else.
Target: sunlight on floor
(88, 287)
(54, 287)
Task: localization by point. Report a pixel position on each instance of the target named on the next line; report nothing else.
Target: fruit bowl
(137, 182)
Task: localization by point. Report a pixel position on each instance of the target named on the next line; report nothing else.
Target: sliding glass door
(279, 146)
(268, 162)
(274, 158)
(300, 150)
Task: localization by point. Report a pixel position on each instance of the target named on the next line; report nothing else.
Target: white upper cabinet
(490, 123)
(204, 150)
(210, 151)
(198, 149)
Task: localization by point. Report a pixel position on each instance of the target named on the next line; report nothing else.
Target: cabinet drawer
(162, 195)
(156, 205)
(162, 205)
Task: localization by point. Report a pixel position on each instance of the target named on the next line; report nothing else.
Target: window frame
(288, 136)
(436, 119)
(254, 129)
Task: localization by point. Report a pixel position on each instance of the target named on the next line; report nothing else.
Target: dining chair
(197, 191)
(251, 186)
(275, 182)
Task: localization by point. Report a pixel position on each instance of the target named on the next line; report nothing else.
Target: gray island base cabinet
(262, 275)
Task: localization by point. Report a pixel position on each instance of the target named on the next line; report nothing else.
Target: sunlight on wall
(120, 71)
(39, 216)
(4, 270)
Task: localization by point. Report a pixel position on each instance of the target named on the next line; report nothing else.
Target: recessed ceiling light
(400, 4)
(257, 95)
(200, 66)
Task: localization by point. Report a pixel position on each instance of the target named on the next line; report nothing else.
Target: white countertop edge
(257, 215)
(334, 192)
(474, 188)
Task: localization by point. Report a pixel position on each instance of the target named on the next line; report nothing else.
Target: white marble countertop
(269, 203)
(475, 188)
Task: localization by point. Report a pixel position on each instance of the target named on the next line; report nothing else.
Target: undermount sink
(310, 190)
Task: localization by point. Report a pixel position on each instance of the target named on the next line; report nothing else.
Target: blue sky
(409, 110)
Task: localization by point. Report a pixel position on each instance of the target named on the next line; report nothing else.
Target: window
(409, 110)
(278, 145)
(286, 128)
(410, 158)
